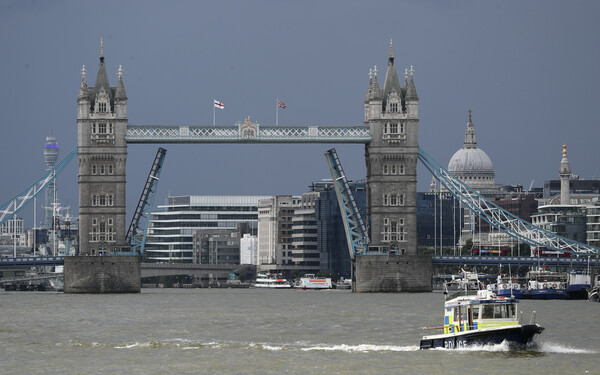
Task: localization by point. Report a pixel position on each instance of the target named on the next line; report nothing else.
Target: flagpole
(214, 113)
(277, 112)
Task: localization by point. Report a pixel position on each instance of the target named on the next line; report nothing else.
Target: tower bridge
(389, 133)
(390, 138)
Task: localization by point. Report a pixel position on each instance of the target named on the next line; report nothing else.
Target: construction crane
(357, 236)
(138, 229)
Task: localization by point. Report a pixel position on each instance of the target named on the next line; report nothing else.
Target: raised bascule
(383, 245)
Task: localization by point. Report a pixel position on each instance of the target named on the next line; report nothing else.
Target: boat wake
(300, 346)
(362, 348)
(550, 347)
(544, 347)
(184, 344)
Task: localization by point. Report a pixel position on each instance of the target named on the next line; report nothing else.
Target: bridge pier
(103, 274)
(392, 273)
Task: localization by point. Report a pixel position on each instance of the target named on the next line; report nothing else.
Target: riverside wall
(393, 273)
(103, 274)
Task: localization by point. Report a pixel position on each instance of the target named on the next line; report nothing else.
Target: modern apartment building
(172, 227)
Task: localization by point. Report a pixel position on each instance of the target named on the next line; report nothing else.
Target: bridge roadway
(30, 261)
(580, 262)
(200, 271)
(164, 269)
(26, 279)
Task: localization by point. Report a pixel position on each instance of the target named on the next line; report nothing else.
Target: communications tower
(50, 157)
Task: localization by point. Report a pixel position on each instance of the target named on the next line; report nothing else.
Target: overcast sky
(529, 70)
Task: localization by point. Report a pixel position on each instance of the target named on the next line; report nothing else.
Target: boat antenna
(510, 281)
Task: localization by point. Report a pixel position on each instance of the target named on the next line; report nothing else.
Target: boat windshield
(499, 311)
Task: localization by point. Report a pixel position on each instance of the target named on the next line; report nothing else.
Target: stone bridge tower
(392, 115)
(102, 154)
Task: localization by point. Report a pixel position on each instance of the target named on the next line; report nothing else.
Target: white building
(171, 230)
(275, 229)
(249, 249)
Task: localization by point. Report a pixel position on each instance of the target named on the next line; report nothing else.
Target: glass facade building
(439, 217)
(172, 227)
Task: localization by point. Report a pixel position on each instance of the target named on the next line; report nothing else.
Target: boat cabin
(480, 311)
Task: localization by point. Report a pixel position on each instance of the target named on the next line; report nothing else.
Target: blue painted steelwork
(136, 235)
(356, 232)
(581, 262)
(500, 218)
(32, 261)
(21, 200)
(247, 133)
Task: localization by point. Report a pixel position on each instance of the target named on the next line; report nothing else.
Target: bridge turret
(83, 99)
(411, 100)
(373, 102)
(120, 96)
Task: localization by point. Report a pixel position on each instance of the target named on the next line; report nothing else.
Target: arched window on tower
(393, 102)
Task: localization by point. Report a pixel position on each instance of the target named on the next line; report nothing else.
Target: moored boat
(594, 292)
(543, 284)
(311, 282)
(271, 282)
(508, 287)
(479, 319)
(578, 284)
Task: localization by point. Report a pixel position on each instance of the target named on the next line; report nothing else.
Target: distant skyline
(528, 70)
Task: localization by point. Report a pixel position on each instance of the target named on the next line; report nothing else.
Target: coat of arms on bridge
(248, 130)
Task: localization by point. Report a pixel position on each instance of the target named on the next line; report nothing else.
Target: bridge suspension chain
(21, 200)
(500, 218)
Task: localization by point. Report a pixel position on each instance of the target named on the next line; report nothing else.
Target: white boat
(480, 319)
(271, 282)
(310, 281)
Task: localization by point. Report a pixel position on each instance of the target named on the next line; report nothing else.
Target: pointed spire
(370, 89)
(120, 93)
(376, 91)
(411, 90)
(83, 89)
(391, 79)
(470, 139)
(102, 77)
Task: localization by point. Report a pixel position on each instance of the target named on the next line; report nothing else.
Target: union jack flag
(280, 104)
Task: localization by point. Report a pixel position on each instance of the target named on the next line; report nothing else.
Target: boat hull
(545, 294)
(578, 291)
(517, 336)
(508, 293)
(272, 286)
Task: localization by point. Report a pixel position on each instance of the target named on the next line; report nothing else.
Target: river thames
(254, 331)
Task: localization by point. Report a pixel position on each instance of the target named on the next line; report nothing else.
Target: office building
(172, 227)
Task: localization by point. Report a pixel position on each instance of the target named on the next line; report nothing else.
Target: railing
(31, 261)
(506, 260)
(252, 133)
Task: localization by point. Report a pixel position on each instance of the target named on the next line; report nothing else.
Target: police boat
(480, 318)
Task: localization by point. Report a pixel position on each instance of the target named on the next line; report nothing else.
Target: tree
(466, 249)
